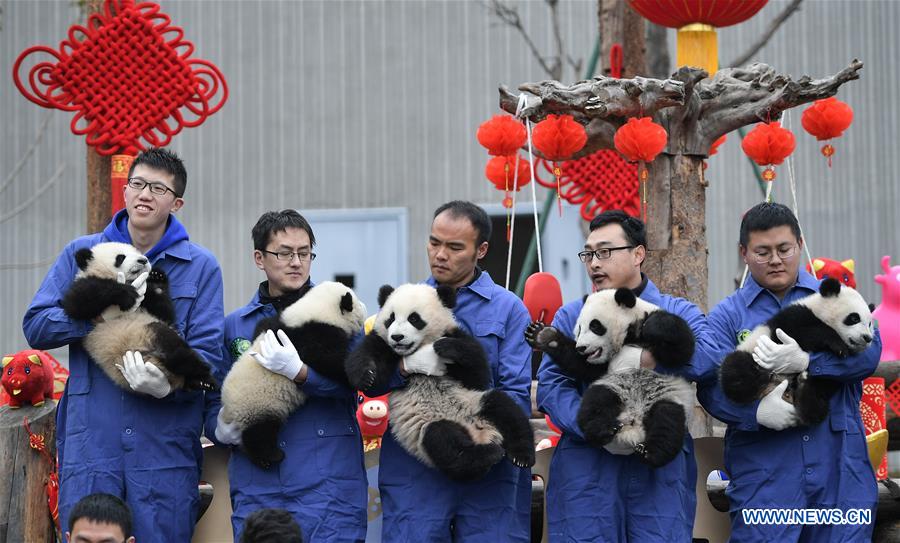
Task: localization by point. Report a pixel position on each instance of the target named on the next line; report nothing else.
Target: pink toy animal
(888, 312)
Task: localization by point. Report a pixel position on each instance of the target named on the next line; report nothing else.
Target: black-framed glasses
(157, 188)
(783, 254)
(287, 256)
(601, 254)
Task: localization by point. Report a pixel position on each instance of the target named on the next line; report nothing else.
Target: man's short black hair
(635, 232)
(475, 215)
(104, 509)
(271, 526)
(766, 216)
(165, 160)
(272, 222)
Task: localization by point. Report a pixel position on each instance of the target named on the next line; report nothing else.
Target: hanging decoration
(558, 137)
(51, 487)
(129, 77)
(640, 140)
(696, 21)
(714, 148)
(596, 182)
(827, 119)
(768, 144)
(502, 135)
(508, 173)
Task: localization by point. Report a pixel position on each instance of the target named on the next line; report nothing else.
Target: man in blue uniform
(594, 495)
(772, 462)
(322, 480)
(419, 502)
(143, 445)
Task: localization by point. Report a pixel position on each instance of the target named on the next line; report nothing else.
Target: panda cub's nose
(397, 337)
(581, 349)
(867, 338)
(142, 260)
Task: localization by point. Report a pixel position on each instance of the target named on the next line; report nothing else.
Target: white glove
(628, 358)
(787, 357)
(775, 413)
(281, 358)
(425, 361)
(139, 284)
(227, 432)
(144, 377)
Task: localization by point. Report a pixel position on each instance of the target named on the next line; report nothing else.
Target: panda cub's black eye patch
(597, 328)
(416, 321)
(852, 318)
(119, 260)
(389, 321)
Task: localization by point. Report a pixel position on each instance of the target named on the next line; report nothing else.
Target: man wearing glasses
(322, 482)
(771, 461)
(594, 495)
(142, 446)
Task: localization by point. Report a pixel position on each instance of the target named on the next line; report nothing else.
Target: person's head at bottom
(271, 526)
(100, 518)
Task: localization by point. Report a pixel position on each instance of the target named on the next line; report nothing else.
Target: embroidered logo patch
(742, 335)
(238, 347)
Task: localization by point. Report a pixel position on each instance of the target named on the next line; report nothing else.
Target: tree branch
(510, 16)
(767, 35)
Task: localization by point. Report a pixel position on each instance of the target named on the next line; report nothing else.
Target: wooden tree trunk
(621, 24)
(99, 199)
(24, 515)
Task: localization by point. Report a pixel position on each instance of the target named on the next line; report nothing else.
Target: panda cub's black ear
(383, 294)
(347, 303)
(625, 298)
(83, 257)
(830, 287)
(447, 296)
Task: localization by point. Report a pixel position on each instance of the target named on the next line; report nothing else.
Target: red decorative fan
(597, 182)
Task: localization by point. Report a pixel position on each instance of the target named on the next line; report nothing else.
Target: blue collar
(751, 289)
(256, 305)
(482, 286)
(174, 241)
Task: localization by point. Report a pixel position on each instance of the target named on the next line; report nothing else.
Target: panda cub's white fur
(320, 328)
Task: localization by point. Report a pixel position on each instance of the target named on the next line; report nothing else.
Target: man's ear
(179, 201)
(640, 252)
(258, 257)
(482, 250)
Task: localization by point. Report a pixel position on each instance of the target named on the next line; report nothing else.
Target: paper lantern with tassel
(640, 140)
(558, 137)
(768, 145)
(502, 135)
(826, 119)
(501, 171)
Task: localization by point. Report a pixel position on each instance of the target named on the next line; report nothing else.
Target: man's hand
(775, 413)
(786, 358)
(227, 432)
(424, 361)
(144, 377)
(278, 355)
(139, 284)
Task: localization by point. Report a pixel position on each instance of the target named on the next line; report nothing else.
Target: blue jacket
(104, 431)
(419, 502)
(322, 480)
(594, 495)
(808, 466)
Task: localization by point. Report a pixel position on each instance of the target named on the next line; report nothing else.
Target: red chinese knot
(128, 76)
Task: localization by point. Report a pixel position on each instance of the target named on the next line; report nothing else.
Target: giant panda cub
(835, 320)
(449, 419)
(95, 292)
(320, 325)
(635, 410)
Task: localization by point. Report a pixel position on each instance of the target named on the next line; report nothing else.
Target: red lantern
(714, 148)
(558, 137)
(716, 13)
(826, 119)
(768, 144)
(640, 140)
(502, 135)
(501, 171)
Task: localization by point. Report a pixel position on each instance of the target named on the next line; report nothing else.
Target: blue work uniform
(825, 465)
(594, 495)
(420, 503)
(322, 480)
(142, 449)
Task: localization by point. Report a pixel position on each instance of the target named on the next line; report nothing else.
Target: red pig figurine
(28, 378)
(372, 416)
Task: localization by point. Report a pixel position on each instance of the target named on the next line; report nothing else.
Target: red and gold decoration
(508, 173)
(51, 487)
(827, 119)
(768, 144)
(118, 177)
(872, 409)
(129, 78)
(696, 21)
(640, 140)
(842, 271)
(558, 137)
(27, 378)
(502, 135)
(596, 182)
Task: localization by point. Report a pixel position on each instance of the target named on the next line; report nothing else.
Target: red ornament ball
(501, 172)
(640, 139)
(769, 143)
(558, 137)
(502, 135)
(827, 118)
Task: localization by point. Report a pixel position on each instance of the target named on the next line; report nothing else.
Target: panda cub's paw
(523, 458)
(541, 337)
(360, 371)
(157, 281)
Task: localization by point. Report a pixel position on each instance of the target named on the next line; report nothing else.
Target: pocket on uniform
(183, 296)
(338, 448)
